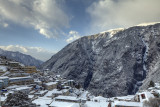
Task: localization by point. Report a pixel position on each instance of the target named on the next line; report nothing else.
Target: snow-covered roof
(99, 98)
(20, 77)
(22, 65)
(63, 104)
(41, 92)
(158, 91)
(70, 80)
(58, 75)
(51, 83)
(13, 62)
(66, 86)
(57, 80)
(4, 77)
(56, 91)
(96, 104)
(71, 98)
(12, 87)
(125, 97)
(128, 104)
(22, 88)
(84, 95)
(42, 101)
(37, 81)
(3, 98)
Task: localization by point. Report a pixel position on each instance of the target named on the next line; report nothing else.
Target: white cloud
(73, 35)
(108, 14)
(5, 25)
(45, 32)
(46, 16)
(37, 52)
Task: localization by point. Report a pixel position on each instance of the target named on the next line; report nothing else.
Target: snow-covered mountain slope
(111, 63)
(22, 58)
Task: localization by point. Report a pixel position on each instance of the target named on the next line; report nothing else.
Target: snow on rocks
(146, 24)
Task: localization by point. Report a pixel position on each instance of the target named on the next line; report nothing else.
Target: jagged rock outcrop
(22, 58)
(111, 63)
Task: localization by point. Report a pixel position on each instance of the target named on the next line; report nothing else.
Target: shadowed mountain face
(22, 58)
(111, 63)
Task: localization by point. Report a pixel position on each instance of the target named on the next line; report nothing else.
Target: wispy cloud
(37, 52)
(73, 35)
(3, 24)
(46, 16)
(107, 14)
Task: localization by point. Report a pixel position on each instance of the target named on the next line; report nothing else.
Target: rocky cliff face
(111, 63)
(22, 58)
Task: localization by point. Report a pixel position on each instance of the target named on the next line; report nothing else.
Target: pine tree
(151, 84)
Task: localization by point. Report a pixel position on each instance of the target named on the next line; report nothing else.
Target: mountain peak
(20, 57)
(118, 58)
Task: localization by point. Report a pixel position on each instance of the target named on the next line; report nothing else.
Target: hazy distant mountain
(22, 58)
(112, 63)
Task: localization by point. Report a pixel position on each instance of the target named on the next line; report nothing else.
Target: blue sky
(42, 27)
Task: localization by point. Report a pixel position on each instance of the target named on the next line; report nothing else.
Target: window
(143, 96)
